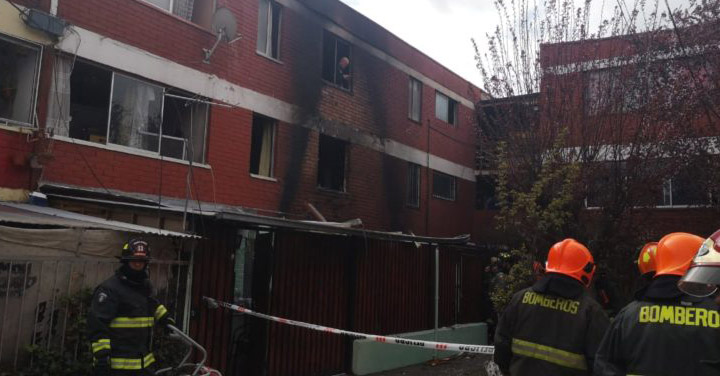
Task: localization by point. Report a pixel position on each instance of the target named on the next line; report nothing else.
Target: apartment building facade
(309, 112)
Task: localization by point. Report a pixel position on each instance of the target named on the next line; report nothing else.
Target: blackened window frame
(327, 165)
(255, 155)
(332, 39)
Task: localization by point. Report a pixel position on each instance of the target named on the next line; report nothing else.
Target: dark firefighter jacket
(663, 333)
(552, 328)
(121, 320)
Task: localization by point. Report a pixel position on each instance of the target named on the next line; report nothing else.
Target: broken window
(18, 78)
(183, 127)
(197, 11)
(261, 148)
(414, 99)
(268, 42)
(331, 163)
(443, 186)
(445, 108)
(413, 185)
(111, 108)
(337, 66)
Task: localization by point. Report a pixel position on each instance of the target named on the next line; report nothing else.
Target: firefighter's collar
(560, 285)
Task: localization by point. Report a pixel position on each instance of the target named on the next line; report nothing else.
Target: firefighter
(665, 332)
(122, 316)
(555, 326)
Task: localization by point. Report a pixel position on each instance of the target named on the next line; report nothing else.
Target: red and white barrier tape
(478, 349)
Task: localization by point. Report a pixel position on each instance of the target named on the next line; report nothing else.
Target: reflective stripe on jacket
(542, 333)
(120, 323)
(674, 335)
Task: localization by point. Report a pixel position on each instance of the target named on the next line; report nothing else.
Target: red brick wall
(376, 183)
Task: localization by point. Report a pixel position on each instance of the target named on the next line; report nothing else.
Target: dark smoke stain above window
(337, 61)
(332, 155)
(268, 41)
(112, 108)
(18, 77)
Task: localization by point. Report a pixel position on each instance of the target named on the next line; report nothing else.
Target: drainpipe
(437, 293)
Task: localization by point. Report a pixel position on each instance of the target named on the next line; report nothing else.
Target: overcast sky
(442, 28)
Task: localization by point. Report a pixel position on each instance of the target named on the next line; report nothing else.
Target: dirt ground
(463, 365)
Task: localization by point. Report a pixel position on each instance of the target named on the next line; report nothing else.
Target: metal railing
(43, 302)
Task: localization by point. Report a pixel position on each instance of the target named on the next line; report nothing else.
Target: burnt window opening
(443, 186)
(414, 99)
(111, 108)
(413, 185)
(268, 41)
(485, 194)
(89, 102)
(196, 11)
(18, 80)
(337, 61)
(445, 108)
(332, 156)
(262, 146)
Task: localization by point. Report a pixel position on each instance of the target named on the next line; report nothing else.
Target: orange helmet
(646, 258)
(703, 276)
(572, 259)
(675, 252)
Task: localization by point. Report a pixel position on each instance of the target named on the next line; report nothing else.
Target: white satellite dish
(224, 25)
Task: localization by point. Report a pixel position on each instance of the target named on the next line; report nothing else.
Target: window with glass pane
(164, 4)
(413, 185)
(135, 113)
(268, 41)
(337, 61)
(443, 186)
(414, 99)
(18, 77)
(445, 108)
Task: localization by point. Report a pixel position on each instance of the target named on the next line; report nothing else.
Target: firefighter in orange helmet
(664, 332)
(555, 326)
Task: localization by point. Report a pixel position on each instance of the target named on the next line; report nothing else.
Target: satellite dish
(224, 25)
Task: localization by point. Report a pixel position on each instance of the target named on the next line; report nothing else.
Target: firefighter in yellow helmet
(646, 267)
(555, 326)
(664, 332)
(122, 315)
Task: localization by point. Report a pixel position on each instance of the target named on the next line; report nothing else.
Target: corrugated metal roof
(45, 216)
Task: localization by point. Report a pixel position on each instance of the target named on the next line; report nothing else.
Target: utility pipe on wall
(437, 293)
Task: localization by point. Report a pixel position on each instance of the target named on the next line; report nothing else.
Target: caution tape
(478, 349)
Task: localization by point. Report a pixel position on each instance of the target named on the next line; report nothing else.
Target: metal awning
(329, 228)
(242, 215)
(28, 214)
